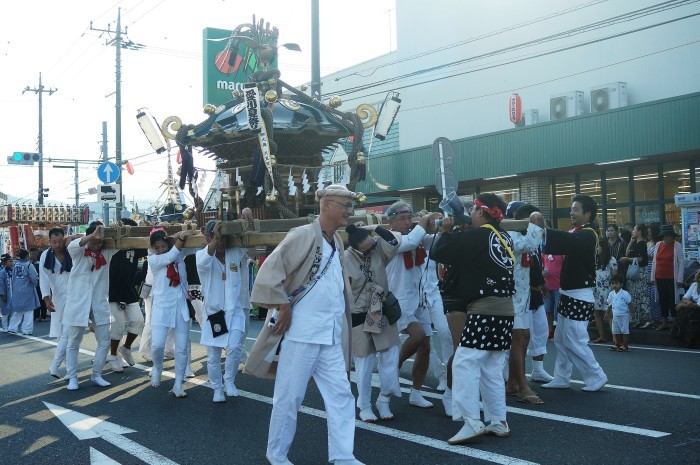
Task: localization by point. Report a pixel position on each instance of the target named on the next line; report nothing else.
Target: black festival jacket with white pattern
(579, 248)
(485, 266)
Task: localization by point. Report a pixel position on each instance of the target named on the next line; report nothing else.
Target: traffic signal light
(23, 158)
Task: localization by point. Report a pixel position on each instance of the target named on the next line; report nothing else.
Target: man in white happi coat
(304, 279)
(431, 299)
(220, 271)
(404, 272)
(88, 289)
(523, 244)
(55, 265)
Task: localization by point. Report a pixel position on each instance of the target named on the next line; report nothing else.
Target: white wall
(654, 63)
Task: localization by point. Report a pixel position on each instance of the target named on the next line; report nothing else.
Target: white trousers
(145, 344)
(440, 358)
(233, 357)
(388, 375)
(477, 372)
(61, 345)
(181, 334)
(298, 362)
(128, 320)
(75, 337)
(27, 320)
(241, 344)
(539, 332)
(571, 341)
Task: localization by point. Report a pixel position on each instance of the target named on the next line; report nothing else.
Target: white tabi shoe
(53, 369)
(471, 429)
(155, 377)
(498, 429)
(277, 462)
(347, 462)
(540, 376)
(73, 384)
(597, 386)
(219, 396)
(367, 415)
(100, 381)
(115, 364)
(442, 385)
(127, 355)
(556, 384)
(179, 392)
(417, 400)
(447, 402)
(231, 389)
(382, 405)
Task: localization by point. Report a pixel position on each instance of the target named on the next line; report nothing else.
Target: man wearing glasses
(305, 280)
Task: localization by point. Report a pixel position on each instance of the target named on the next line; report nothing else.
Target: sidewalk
(647, 336)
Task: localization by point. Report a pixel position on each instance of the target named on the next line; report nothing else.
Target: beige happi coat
(358, 268)
(289, 267)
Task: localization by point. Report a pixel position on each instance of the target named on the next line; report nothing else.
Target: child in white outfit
(620, 301)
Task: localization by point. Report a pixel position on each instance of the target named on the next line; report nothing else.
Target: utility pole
(40, 90)
(105, 157)
(77, 194)
(315, 52)
(119, 43)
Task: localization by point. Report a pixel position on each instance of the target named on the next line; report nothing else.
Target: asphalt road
(648, 414)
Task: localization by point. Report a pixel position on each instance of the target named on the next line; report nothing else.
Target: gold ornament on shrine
(270, 96)
(335, 101)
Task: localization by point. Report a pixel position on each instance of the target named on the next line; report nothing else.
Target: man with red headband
(485, 261)
(575, 307)
(87, 299)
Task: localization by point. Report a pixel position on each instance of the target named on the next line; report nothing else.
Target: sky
(55, 39)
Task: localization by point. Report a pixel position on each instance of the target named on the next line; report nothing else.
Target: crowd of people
(493, 297)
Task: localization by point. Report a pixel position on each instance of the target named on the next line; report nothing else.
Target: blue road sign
(108, 172)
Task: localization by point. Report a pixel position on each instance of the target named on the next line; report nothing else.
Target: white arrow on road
(87, 427)
(98, 458)
(108, 172)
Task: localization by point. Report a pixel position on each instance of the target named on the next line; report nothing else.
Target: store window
(590, 184)
(672, 215)
(565, 189)
(510, 191)
(676, 179)
(617, 186)
(646, 183)
(647, 214)
(617, 215)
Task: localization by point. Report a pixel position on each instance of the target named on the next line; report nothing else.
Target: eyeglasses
(347, 206)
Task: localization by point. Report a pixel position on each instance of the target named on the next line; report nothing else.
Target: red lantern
(515, 109)
(129, 167)
(179, 158)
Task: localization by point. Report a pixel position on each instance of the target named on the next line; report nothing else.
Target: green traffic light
(17, 156)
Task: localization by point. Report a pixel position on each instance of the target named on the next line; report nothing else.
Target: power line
(538, 55)
(473, 39)
(565, 34)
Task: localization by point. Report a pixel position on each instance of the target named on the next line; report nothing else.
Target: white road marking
(515, 410)
(98, 458)
(87, 427)
(658, 349)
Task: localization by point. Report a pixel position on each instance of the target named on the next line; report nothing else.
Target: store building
(610, 93)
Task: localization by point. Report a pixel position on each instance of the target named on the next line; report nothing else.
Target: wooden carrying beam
(239, 233)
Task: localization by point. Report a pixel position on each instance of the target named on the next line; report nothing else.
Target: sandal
(623, 349)
(531, 400)
(600, 340)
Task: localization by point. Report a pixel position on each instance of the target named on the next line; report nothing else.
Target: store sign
(515, 109)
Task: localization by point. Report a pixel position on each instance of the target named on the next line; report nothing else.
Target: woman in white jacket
(169, 307)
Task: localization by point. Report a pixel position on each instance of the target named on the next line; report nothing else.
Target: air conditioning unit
(566, 105)
(608, 96)
(531, 116)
